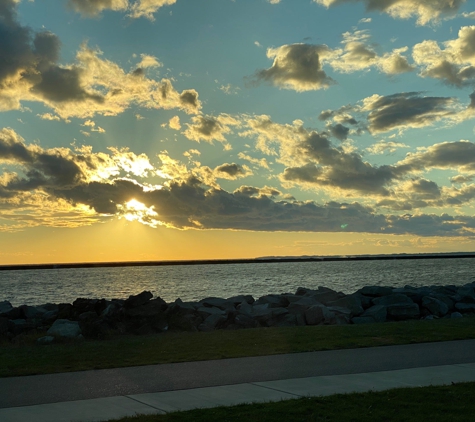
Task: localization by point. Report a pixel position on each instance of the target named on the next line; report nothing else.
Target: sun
(134, 210)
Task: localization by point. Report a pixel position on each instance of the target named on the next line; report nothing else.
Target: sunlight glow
(137, 211)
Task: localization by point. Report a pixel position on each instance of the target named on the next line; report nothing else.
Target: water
(194, 282)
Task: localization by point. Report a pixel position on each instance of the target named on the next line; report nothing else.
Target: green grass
(26, 358)
(436, 404)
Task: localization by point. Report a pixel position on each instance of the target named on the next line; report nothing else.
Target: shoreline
(263, 260)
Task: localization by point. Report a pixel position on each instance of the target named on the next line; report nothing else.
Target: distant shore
(262, 260)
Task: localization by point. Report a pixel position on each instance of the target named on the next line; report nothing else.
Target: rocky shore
(143, 314)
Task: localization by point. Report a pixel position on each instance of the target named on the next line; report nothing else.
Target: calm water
(194, 282)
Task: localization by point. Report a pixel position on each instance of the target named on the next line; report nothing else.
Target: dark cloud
(338, 168)
(405, 110)
(33, 56)
(339, 131)
(297, 67)
(190, 203)
(444, 155)
(232, 170)
(62, 84)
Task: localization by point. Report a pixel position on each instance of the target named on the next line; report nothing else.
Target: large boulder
(212, 322)
(32, 312)
(150, 309)
(466, 294)
(351, 302)
(65, 328)
(241, 298)
(301, 305)
(403, 311)
(375, 291)
(274, 301)
(465, 307)
(138, 300)
(245, 321)
(205, 312)
(81, 305)
(434, 306)
(392, 299)
(316, 314)
(5, 307)
(377, 313)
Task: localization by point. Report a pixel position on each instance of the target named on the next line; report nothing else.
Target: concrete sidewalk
(315, 374)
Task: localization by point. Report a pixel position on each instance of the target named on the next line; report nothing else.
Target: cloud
(148, 61)
(453, 65)
(174, 123)
(297, 67)
(383, 147)
(91, 85)
(312, 161)
(426, 11)
(147, 8)
(93, 8)
(406, 110)
(232, 171)
(136, 9)
(446, 155)
(65, 188)
(209, 128)
(358, 54)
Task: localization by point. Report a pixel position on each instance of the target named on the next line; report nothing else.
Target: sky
(208, 129)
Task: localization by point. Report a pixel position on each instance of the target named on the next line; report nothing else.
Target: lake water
(194, 282)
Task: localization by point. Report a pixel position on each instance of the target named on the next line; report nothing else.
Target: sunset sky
(191, 129)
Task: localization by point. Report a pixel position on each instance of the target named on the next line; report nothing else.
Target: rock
(366, 301)
(445, 299)
(14, 313)
(456, 315)
(244, 308)
(324, 295)
(49, 317)
(467, 294)
(351, 302)
(65, 311)
(65, 328)
(274, 301)
(241, 298)
(111, 312)
(82, 305)
(206, 312)
(377, 312)
(18, 326)
(429, 317)
(245, 321)
(181, 308)
(150, 309)
(396, 298)
(212, 322)
(267, 316)
(42, 341)
(362, 320)
(301, 305)
(465, 307)
(289, 320)
(434, 306)
(32, 312)
(402, 311)
(315, 314)
(3, 325)
(5, 307)
(217, 302)
(138, 300)
(375, 291)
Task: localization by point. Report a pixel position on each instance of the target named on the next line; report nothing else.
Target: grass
(26, 358)
(436, 404)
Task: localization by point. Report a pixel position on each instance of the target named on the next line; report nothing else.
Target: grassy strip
(436, 404)
(29, 359)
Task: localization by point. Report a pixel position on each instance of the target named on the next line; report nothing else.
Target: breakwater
(144, 314)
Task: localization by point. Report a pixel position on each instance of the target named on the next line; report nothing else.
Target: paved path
(112, 393)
